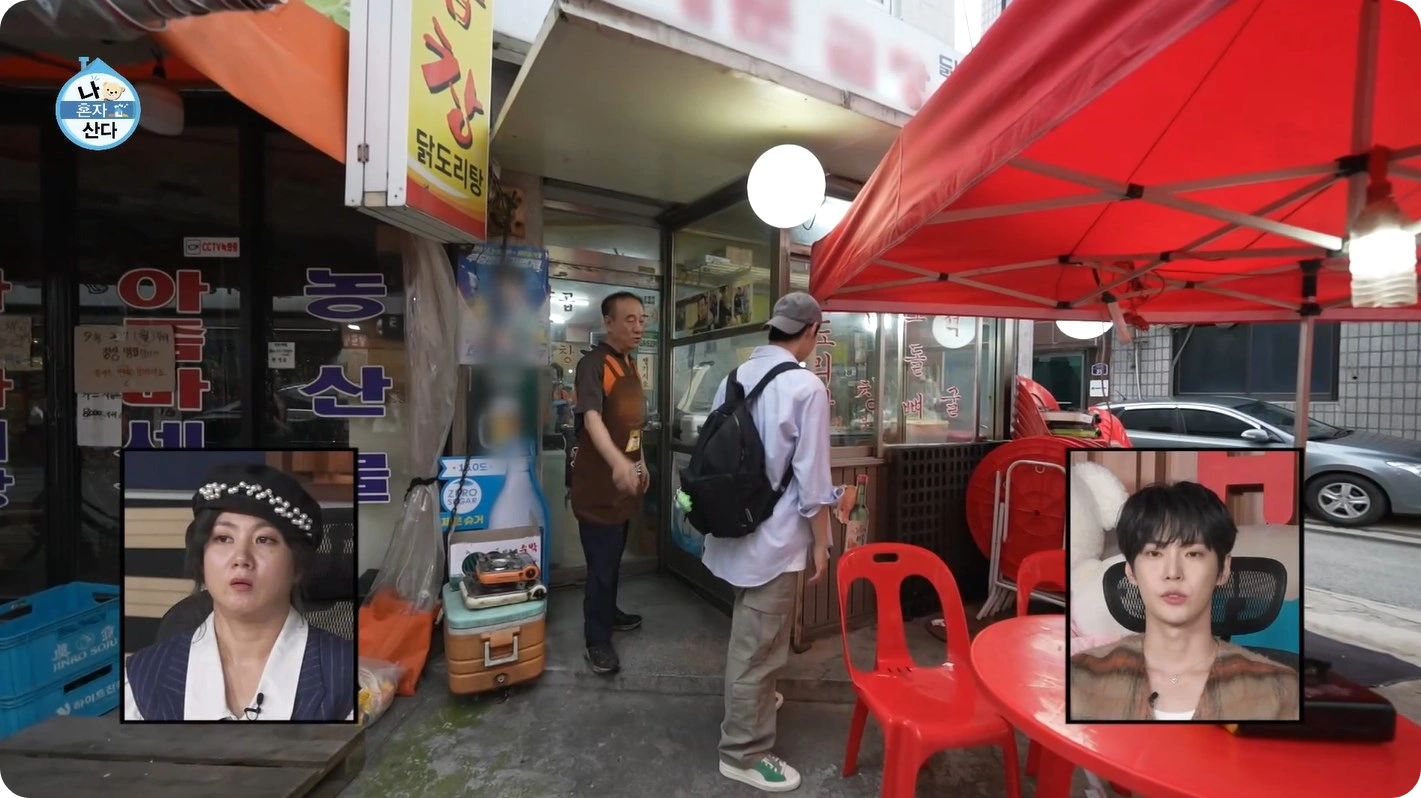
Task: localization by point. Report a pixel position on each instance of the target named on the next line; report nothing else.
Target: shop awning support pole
(1309, 311)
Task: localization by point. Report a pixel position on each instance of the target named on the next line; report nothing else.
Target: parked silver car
(1352, 478)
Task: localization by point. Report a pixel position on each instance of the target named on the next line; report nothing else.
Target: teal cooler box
(489, 649)
(59, 655)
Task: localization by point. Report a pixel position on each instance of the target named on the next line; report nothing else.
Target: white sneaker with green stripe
(770, 774)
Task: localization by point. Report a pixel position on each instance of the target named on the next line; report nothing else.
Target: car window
(1211, 424)
(1149, 419)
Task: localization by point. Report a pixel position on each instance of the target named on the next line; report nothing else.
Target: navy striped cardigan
(325, 690)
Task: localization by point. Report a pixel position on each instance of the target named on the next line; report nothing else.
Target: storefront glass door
(575, 315)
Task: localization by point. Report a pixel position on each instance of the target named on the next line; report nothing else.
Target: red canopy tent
(1189, 161)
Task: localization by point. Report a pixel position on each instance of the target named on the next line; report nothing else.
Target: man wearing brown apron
(609, 474)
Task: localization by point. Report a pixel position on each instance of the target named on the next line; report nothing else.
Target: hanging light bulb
(1381, 252)
(1382, 258)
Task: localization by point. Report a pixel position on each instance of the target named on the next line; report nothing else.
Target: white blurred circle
(786, 186)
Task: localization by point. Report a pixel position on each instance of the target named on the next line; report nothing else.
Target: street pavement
(1365, 564)
(1361, 587)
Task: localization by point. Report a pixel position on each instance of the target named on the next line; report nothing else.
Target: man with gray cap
(792, 417)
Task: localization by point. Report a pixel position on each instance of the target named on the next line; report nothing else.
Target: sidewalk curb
(1403, 539)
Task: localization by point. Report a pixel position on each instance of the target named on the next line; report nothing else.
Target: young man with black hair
(609, 474)
(792, 417)
(1178, 541)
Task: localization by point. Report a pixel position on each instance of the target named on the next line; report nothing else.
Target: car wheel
(1346, 500)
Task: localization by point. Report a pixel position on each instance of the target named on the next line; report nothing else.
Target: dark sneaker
(770, 774)
(603, 658)
(625, 622)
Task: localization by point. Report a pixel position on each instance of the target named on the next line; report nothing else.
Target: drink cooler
(492, 648)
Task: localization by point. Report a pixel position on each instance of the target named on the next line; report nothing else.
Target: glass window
(162, 195)
(1150, 419)
(846, 359)
(697, 370)
(1254, 360)
(336, 365)
(23, 420)
(940, 399)
(1209, 424)
(578, 231)
(722, 272)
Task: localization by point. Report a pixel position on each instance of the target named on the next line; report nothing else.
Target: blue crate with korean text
(56, 634)
(93, 691)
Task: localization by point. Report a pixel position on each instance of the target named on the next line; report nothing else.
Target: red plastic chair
(921, 709)
(1043, 569)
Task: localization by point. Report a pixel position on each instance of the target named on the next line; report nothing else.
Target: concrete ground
(652, 730)
(545, 741)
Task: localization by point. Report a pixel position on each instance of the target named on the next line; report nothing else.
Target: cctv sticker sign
(208, 247)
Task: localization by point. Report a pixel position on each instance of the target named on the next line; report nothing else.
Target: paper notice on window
(122, 359)
(16, 339)
(100, 421)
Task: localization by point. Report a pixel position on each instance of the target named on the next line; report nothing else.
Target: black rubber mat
(1357, 664)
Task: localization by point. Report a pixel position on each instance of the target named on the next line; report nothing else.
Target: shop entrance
(579, 281)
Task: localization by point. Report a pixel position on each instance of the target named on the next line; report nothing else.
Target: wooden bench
(83, 756)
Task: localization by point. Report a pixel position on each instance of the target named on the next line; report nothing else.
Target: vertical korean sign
(155, 291)
(356, 390)
(451, 69)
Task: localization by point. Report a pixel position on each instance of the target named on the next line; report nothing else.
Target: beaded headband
(215, 490)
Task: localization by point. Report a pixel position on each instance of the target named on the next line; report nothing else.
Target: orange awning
(288, 64)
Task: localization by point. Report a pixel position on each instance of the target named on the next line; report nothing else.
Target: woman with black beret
(253, 538)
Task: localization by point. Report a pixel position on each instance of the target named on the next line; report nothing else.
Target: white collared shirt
(205, 697)
(792, 417)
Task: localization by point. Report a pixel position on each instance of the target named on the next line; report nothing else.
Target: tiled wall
(1379, 379)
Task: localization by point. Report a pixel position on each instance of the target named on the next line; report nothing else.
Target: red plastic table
(1020, 664)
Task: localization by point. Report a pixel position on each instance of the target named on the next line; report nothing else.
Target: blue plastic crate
(95, 691)
(50, 637)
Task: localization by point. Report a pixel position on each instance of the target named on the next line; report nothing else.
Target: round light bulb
(1083, 330)
(786, 186)
(1382, 259)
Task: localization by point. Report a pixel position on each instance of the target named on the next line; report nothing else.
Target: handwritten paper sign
(15, 341)
(123, 359)
(100, 421)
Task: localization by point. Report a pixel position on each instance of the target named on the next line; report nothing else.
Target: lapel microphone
(253, 712)
(1153, 696)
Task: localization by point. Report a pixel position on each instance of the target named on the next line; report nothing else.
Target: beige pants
(760, 627)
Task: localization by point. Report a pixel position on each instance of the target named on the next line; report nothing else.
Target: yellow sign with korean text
(451, 73)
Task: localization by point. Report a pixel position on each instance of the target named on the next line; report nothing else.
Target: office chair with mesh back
(1247, 604)
(330, 589)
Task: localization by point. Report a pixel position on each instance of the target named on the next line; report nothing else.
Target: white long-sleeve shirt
(792, 417)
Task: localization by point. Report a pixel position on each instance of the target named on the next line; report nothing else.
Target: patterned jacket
(1111, 683)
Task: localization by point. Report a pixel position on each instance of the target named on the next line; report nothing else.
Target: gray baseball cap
(794, 312)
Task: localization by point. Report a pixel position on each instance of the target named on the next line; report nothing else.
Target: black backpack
(730, 494)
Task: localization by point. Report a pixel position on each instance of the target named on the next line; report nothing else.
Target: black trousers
(602, 547)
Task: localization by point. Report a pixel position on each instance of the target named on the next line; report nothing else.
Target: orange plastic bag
(391, 630)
